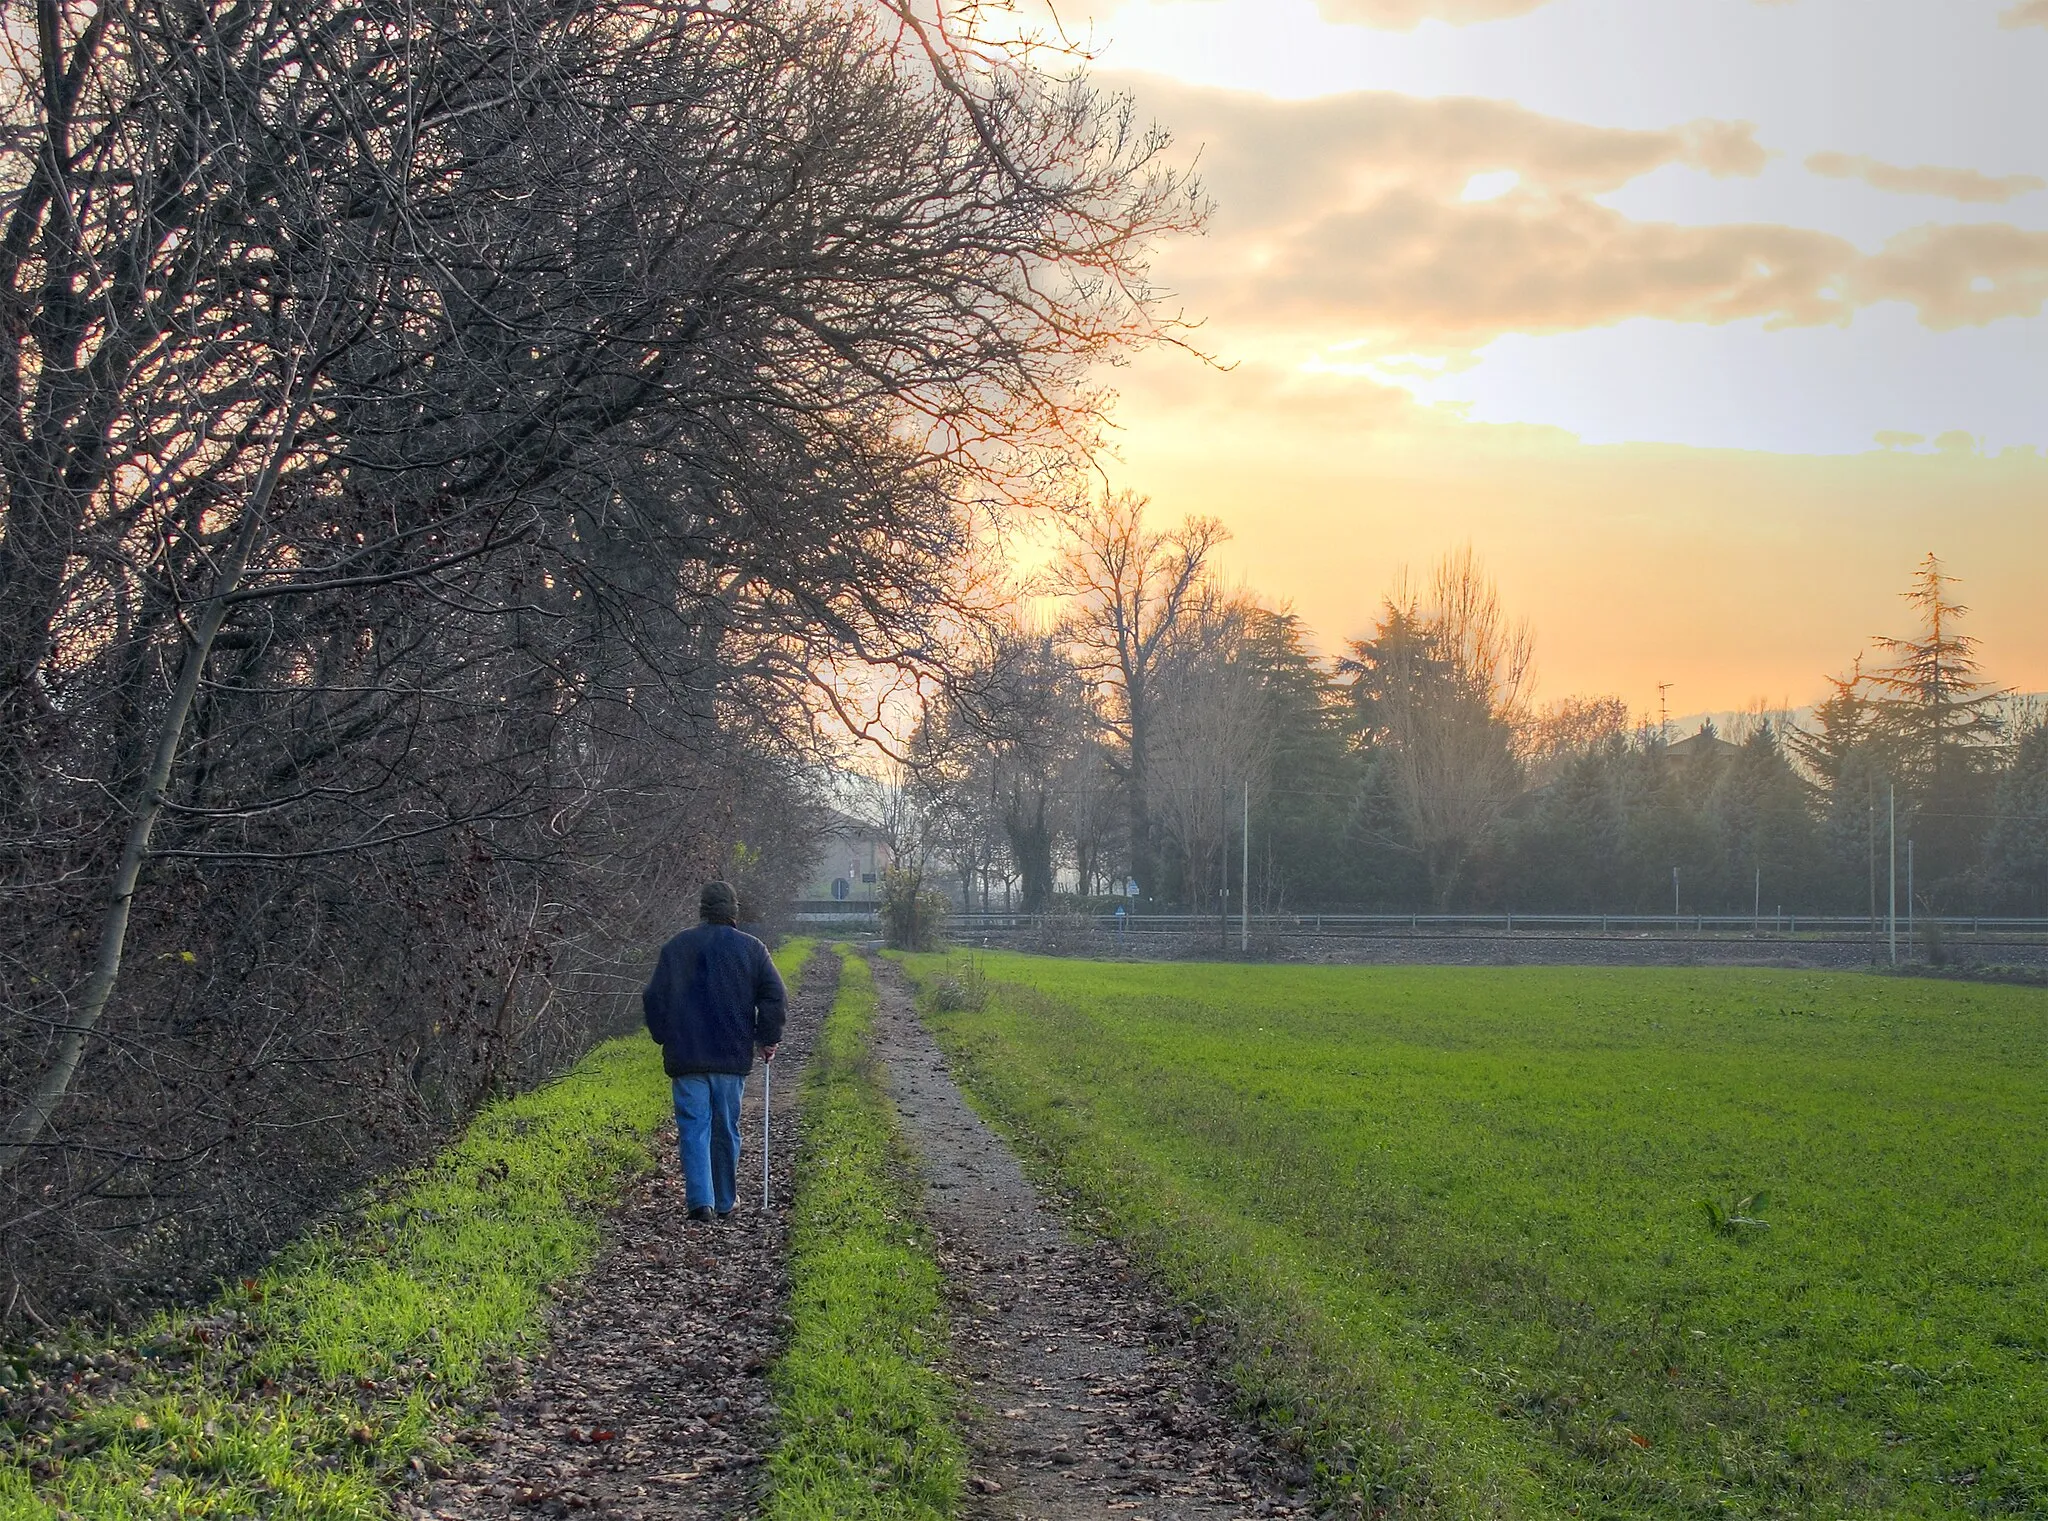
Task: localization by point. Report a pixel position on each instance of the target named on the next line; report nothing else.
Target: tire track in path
(1088, 1396)
(652, 1401)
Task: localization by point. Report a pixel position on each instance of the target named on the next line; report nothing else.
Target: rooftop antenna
(1664, 712)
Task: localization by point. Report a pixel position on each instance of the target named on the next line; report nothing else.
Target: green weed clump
(959, 985)
(868, 1420)
(1547, 1241)
(309, 1392)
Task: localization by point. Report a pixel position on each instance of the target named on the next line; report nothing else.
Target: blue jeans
(708, 1136)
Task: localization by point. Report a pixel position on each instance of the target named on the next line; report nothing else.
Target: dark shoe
(726, 1214)
(701, 1212)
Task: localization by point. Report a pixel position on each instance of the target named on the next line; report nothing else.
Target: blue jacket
(714, 997)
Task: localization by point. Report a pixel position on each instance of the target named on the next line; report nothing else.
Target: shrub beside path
(1087, 1394)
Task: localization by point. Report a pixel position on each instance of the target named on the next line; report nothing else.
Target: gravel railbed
(1991, 960)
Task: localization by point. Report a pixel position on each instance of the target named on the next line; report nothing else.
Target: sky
(1701, 320)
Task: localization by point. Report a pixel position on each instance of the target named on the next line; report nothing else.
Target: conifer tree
(1933, 710)
(1936, 725)
(1841, 723)
(2018, 847)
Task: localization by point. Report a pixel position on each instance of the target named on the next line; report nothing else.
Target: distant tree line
(1415, 772)
(451, 456)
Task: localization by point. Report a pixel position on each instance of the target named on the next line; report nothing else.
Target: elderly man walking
(714, 1000)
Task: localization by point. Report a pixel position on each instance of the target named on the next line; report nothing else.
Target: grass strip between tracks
(869, 1421)
(311, 1391)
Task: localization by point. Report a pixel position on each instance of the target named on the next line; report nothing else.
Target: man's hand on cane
(768, 1053)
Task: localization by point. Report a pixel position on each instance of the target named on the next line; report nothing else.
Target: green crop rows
(1546, 1242)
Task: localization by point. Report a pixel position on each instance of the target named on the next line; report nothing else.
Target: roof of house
(1706, 742)
(846, 826)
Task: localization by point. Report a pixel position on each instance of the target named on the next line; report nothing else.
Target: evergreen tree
(1841, 723)
(1668, 827)
(1851, 829)
(1442, 691)
(2017, 851)
(1300, 848)
(1934, 711)
(1568, 843)
(1766, 833)
(1936, 723)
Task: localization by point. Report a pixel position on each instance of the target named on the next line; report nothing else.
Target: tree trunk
(30, 1121)
(1144, 870)
(1031, 845)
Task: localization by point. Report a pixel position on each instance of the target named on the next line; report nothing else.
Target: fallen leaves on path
(1093, 1396)
(652, 1399)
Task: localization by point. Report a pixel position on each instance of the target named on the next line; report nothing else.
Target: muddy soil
(1088, 1395)
(652, 1399)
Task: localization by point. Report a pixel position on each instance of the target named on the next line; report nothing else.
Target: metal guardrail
(1859, 926)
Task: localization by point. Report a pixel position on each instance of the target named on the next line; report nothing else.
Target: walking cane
(767, 1088)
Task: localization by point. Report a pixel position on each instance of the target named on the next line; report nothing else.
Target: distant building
(850, 863)
(1706, 742)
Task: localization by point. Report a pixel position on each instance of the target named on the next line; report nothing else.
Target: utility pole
(1756, 908)
(1223, 865)
(1892, 915)
(1909, 895)
(1244, 878)
(1674, 897)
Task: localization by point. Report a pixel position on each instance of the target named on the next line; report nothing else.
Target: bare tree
(1569, 729)
(1002, 746)
(1131, 591)
(1937, 724)
(1094, 811)
(1212, 737)
(451, 458)
(1441, 691)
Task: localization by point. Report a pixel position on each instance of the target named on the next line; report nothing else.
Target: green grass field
(303, 1393)
(1479, 1233)
(868, 1428)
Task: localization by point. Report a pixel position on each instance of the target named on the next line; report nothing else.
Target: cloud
(1401, 224)
(1927, 179)
(2028, 13)
(1960, 276)
(1271, 160)
(1312, 401)
(1425, 272)
(1406, 15)
(1415, 272)
(1725, 149)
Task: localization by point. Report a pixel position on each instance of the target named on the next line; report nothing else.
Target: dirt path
(652, 1399)
(1088, 1393)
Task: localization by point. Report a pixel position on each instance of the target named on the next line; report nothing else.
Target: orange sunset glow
(1701, 320)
